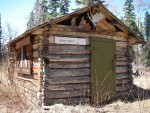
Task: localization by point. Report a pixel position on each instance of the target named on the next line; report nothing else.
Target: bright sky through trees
(16, 12)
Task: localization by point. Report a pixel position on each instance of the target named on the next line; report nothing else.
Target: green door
(103, 69)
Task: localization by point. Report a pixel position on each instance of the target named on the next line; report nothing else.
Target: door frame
(92, 50)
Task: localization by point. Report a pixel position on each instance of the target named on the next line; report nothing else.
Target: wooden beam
(65, 94)
(67, 87)
(38, 31)
(23, 42)
(68, 72)
(69, 80)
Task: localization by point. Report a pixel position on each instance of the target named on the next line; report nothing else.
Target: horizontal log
(68, 87)
(36, 46)
(124, 87)
(121, 63)
(69, 65)
(121, 58)
(37, 39)
(121, 44)
(35, 54)
(99, 34)
(35, 70)
(67, 101)
(68, 49)
(69, 80)
(121, 51)
(66, 94)
(122, 76)
(123, 94)
(23, 42)
(123, 81)
(68, 58)
(123, 69)
(68, 72)
(36, 67)
(35, 75)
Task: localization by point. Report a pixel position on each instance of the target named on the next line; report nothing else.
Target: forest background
(134, 13)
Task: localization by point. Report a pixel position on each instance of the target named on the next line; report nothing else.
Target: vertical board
(103, 69)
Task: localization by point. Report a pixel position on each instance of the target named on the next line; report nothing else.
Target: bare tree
(9, 33)
(141, 6)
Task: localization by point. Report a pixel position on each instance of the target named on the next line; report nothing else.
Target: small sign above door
(67, 40)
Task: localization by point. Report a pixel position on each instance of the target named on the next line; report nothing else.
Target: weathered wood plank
(67, 49)
(35, 76)
(123, 81)
(54, 31)
(24, 70)
(123, 69)
(67, 80)
(23, 42)
(69, 65)
(68, 58)
(124, 87)
(35, 54)
(36, 46)
(35, 59)
(121, 58)
(68, 72)
(122, 44)
(121, 34)
(65, 94)
(121, 51)
(104, 25)
(35, 70)
(121, 63)
(67, 87)
(67, 101)
(38, 31)
(122, 76)
(122, 94)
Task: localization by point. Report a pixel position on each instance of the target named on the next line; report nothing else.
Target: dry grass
(12, 102)
(10, 99)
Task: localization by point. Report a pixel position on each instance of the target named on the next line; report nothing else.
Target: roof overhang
(135, 39)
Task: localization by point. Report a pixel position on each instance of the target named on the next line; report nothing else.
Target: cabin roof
(137, 39)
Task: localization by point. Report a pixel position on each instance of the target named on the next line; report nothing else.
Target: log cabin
(82, 57)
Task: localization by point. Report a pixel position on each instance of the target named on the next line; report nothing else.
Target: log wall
(28, 84)
(66, 68)
(66, 75)
(61, 73)
(124, 80)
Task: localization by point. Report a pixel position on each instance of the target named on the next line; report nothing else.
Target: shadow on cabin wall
(140, 93)
(136, 93)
